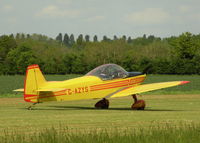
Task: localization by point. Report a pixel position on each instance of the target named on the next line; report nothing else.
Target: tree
(144, 36)
(87, 38)
(146, 65)
(105, 38)
(21, 57)
(71, 40)
(51, 66)
(6, 44)
(184, 53)
(115, 37)
(17, 36)
(59, 37)
(11, 36)
(79, 40)
(151, 37)
(22, 36)
(74, 63)
(28, 36)
(66, 39)
(185, 46)
(124, 37)
(129, 40)
(95, 39)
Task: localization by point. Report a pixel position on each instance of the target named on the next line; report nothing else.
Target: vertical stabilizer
(34, 79)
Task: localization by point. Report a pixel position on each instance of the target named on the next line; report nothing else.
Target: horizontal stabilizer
(51, 89)
(19, 90)
(146, 87)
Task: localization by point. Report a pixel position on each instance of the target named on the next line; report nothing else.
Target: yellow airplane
(103, 82)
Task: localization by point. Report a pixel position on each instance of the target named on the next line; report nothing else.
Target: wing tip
(184, 82)
(19, 90)
(33, 66)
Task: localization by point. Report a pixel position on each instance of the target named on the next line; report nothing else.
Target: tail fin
(34, 79)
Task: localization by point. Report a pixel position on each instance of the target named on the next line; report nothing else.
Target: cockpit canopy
(108, 72)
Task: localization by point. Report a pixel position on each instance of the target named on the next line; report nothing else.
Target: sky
(162, 18)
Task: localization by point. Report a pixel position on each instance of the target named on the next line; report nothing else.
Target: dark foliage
(148, 54)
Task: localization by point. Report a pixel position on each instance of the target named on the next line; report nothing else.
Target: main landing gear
(138, 104)
(102, 104)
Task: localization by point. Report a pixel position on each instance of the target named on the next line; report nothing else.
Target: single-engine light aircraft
(103, 82)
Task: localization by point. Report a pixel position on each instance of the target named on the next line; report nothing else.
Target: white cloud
(64, 1)
(7, 8)
(55, 12)
(194, 17)
(11, 20)
(184, 9)
(148, 16)
(96, 18)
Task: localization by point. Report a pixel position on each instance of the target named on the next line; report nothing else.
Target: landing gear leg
(102, 104)
(31, 107)
(138, 104)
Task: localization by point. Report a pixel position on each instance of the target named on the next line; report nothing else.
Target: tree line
(69, 55)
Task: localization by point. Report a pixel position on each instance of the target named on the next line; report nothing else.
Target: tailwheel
(138, 104)
(31, 107)
(102, 104)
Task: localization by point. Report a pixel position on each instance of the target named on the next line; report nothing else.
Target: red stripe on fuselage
(108, 87)
(107, 84)
(117, 84)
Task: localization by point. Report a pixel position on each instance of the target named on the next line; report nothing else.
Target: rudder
(34, 79)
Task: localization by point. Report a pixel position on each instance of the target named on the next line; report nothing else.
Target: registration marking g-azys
(77, 90)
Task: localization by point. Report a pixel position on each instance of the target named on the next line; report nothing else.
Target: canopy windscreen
(108, 72)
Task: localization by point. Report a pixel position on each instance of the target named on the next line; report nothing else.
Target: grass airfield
(81, 115)
(173, 107)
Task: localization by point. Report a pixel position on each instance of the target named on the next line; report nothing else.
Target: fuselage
(86, 87)
(101, 82)
(105, 81)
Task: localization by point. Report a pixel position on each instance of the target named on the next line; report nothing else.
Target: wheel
(102, 104)
(138, 105)
(29, 108)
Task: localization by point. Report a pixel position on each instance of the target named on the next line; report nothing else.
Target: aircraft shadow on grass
(92, 108)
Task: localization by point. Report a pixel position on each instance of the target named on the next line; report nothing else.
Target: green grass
(9, 83)
(182, 133)
(81, 115)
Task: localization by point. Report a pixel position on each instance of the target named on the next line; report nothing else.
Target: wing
(146, 87)
(19, 90)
